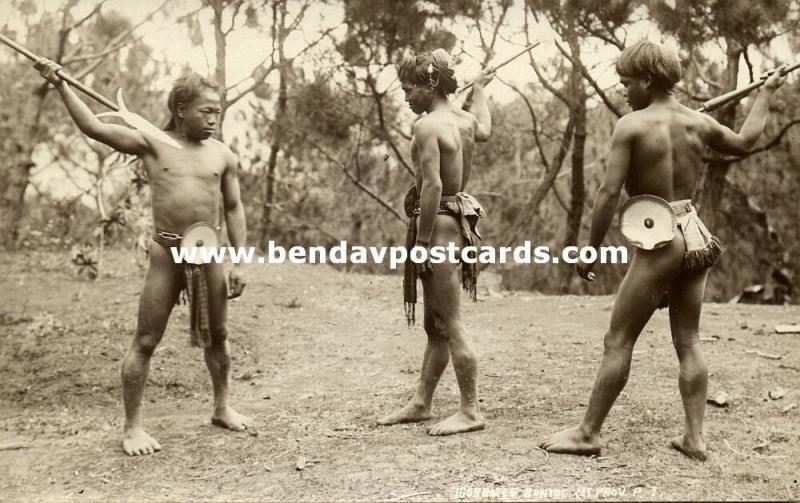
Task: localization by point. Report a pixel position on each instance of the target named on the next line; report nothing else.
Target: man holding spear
(657, 154)
(189, 173)
(442, 214)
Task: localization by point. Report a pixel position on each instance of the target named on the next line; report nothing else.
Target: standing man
(186, 186)
(658, 150)
(442, 214)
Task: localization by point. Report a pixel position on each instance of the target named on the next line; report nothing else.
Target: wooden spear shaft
(503, 63)
(65, 76)
(726, 98)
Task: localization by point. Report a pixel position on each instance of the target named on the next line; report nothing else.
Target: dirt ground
(320, 354)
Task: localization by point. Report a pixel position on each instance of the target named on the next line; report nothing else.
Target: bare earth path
(320, 354)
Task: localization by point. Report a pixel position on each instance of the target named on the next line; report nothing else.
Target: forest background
(313, 108)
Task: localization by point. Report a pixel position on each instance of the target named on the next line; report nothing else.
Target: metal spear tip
(120, 101)
(138, 122)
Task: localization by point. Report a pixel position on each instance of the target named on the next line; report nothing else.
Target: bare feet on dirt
(411, 413)
(460, 422)
(572, 441)
(230, 419)
(691, 448)
(138, 443)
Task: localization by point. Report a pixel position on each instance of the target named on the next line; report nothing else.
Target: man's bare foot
(411, 413)
(138, 443)
(692, 449)
(230, 419)
(460, 422)
(572, 441)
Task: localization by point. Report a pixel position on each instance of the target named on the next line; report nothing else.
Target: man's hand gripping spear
(54, 73)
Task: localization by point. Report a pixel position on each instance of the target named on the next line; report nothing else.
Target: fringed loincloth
(194, 293)
(702, 248)
(467, 210)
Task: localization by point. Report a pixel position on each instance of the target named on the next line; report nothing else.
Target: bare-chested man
(658, 150)
(186, 186)
(441, 151)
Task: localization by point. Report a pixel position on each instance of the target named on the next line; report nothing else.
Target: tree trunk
(578, 98)
(17, 174)
(277, 139)
(100, 202)
(578, 192)
(708, 195)
(272, 166)
(520, 168)
(221, 49)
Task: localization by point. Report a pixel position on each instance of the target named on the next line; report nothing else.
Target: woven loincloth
(194, 292)
(702, 248)
(467, 210)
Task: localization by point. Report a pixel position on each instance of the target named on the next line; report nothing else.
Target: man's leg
(217, 356)
(639, 295)
(161, 289)
(686, 294)
(443, 301)
(434, 361)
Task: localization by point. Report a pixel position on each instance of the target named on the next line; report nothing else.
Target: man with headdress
(657, 150)
(187, 185)
(442, 214)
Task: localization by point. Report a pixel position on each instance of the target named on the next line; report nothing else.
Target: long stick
(496, 67)
(119, 110)
(68, 78)
(726, 98)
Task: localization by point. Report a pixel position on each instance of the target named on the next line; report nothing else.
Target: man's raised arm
(480, 109)
(728, 142)
(120, 138)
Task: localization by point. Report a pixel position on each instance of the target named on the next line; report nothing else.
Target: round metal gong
(202, 237)
(648, 222)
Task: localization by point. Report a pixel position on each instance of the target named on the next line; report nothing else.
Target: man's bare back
(668, 148)
(658, 150)
(446, 125)
(667, 152)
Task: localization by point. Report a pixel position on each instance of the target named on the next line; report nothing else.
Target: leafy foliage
(343, 162)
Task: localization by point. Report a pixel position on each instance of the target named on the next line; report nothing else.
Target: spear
(492, 69)
(119, 110)
(726, 98)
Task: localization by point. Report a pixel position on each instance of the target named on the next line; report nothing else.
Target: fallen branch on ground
(768, 356)
(757, 456)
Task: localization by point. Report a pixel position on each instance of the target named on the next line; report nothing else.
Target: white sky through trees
(247, 47)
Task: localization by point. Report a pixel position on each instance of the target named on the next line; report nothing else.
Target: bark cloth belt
(467, 210)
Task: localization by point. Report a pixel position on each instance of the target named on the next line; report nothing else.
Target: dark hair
(185, 90)
(429, 68)
(647, 59)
